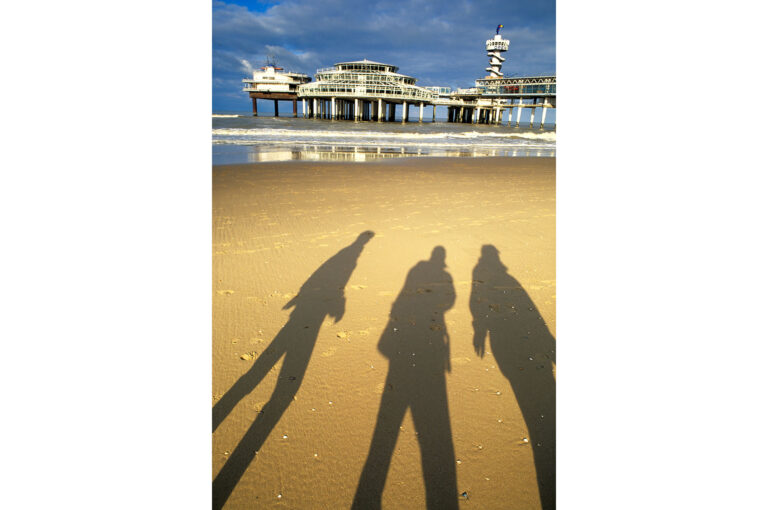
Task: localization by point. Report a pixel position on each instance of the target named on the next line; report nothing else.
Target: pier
(368, 91)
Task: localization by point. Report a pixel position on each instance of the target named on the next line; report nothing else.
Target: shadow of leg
(295, 365)
(438, 460)
(374, 475)
(536, 397)
(250, 379)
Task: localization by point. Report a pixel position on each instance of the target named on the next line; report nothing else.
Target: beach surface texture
(384, 334)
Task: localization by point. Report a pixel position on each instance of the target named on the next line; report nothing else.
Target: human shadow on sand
(525, 353)
(416, 342)
(322, 294)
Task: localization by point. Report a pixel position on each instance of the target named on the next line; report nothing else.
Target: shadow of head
(489, 255)
(438, 256)
(364, 237)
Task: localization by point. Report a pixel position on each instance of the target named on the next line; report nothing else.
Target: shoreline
(396, 161)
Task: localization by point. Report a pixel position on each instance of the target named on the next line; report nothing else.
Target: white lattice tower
(495, 47)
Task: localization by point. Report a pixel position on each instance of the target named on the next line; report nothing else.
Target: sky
(439, 42)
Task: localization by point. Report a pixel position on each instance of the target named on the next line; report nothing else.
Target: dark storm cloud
(439, 42)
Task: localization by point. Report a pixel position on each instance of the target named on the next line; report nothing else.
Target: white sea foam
(296, 134)
(224, 116)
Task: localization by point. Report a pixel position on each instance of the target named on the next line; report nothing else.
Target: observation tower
(495, 47)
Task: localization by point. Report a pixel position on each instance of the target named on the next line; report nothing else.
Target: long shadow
(525, 353)
(417, 344)
(322, 294)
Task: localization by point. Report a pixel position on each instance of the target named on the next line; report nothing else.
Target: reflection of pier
(356, 153)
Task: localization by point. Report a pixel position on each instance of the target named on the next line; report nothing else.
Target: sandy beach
(383, 334)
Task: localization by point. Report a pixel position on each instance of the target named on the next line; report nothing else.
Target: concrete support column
(421, 112)
(357, 110)
(434, 106)
(277, 111)
(381, 111)
(304, 108)
(533, 112)
(543, 116)
(333, 108)
(475, 115)
(499, 113)
(461, 114)
(405, 111)
(314, 107)
(255, 108)
(519, 112)
(294, 108)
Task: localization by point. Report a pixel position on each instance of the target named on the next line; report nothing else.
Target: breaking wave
(275, 134)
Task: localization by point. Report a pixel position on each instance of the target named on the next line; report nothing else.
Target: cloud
(437, 42)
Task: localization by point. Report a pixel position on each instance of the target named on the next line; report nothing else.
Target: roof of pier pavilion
(365, 79)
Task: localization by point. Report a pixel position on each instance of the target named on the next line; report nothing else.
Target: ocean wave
(224, 116)
(296, 134)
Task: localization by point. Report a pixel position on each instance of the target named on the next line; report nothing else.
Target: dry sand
(292, 271)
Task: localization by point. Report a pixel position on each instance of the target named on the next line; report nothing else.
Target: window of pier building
(538, 88)
(366, 67)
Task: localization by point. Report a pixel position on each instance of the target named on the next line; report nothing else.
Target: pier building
(521, 93)
(363, 90)
(272, 82)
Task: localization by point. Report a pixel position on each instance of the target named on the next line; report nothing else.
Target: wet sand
(345, 344)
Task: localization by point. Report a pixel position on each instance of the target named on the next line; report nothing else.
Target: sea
(242, 138)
